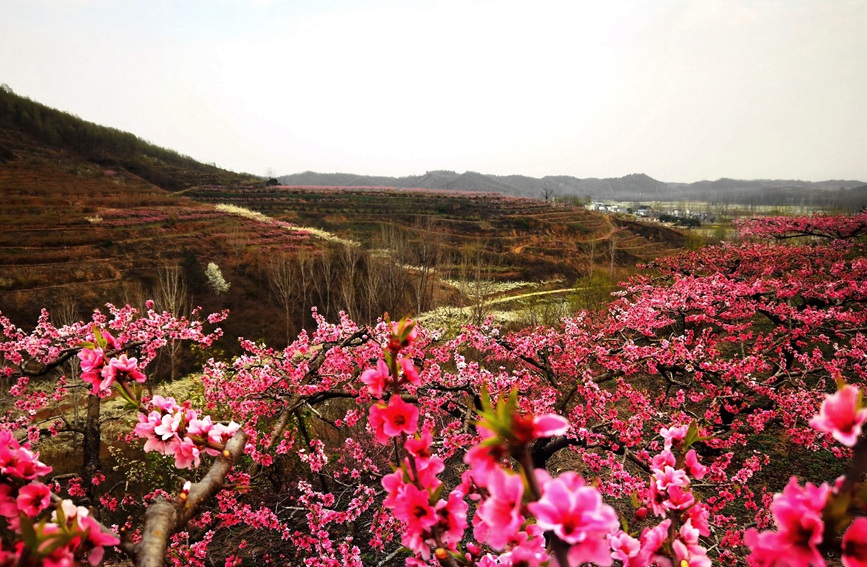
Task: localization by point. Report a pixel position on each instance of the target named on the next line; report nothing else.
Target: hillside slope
(93, 215)
(516, 237)
(28, 129)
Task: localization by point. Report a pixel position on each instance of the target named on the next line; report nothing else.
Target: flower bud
(185, 491)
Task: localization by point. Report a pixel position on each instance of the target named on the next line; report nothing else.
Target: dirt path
(90, 283)
(509, 298)
(612, 228)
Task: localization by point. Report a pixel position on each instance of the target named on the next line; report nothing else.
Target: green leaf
(122, 392)
(691, 435)
(56, 542)
(437, 494)
(485, 398)
(100, 340)
(28, 534)
(61, 515)
(503, 413)
(624, 525)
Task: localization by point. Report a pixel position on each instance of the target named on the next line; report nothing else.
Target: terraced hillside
(75, 236)
(518, 238)
(91, 215)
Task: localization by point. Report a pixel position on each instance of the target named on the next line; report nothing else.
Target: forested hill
(842, 194)
(28, 128)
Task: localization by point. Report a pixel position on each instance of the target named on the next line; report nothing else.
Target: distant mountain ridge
(634, 187)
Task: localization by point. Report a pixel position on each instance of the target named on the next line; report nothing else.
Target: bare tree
(171, 295)
(134, 294)
(475, 274)
(394, 277)
(428, 258)
(612, 252)
(372, 283)
(283, 278)
(66, 311)
(306, 277)
(324, 280)
(349, 259)
(590, 247)
(171, 290)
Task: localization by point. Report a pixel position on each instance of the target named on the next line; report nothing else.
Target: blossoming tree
(650, 432)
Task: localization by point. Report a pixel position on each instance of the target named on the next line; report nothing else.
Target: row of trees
(399, 274)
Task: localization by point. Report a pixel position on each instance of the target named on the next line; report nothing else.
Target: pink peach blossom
(841, 417)
(549, 425)
(167, 405)
(652, 539)
(33, 498)
(695, 468)
(121, 366)
(96, 537)
(855, 544)
(484, 457)
(392, 420)
(576, 514)
(664, 458)
(419, 447)
(672, 434)
(21, 463)
(410, 374)
(499, 518)
(376, 378)
(400, 417)
(624, 547)
(412, 506)
(798, 516)
(670, 476)
(186, 454)
(91, 359)
(452, 517)
(376, 419)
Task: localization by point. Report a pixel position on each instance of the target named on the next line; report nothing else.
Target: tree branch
(163, 518)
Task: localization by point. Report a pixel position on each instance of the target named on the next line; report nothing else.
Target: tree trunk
(92, 444)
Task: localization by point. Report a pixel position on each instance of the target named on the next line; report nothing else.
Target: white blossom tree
(216, 280)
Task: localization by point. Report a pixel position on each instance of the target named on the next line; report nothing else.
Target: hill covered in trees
(28, 128)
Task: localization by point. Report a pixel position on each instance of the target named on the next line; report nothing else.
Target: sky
(679, 90)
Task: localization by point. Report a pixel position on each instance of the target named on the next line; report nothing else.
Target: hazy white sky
(679, 90)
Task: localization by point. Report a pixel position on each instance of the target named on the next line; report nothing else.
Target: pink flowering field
(712, 414)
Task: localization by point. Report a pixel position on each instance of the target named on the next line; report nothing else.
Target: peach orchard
(711, 414)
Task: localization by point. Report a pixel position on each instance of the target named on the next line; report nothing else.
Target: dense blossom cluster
(101, 372)
(172, 429)
(807, 517)
(650, 433)
(56, 541)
